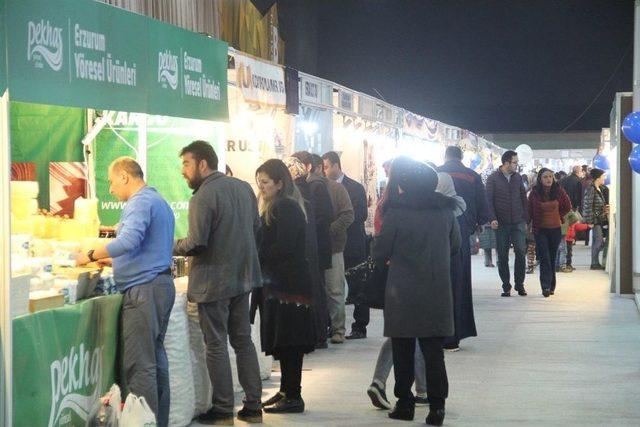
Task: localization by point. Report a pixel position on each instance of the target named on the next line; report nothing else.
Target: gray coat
(223, 220)
(418, 242)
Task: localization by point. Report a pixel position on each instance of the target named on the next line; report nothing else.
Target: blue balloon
(475, 161)
(631, 127)
(601, 162)
(634, 159)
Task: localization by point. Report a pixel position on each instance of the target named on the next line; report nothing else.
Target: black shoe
(273, 399)
(405, 414)
(212, 417)
(546, 293)
(506, 294)
(251, 416)
(596, 267)
(435, 417)
(356, 334)
(522, 292)
(451, 348)
(552, 292)
(286, 406)
(378, 397)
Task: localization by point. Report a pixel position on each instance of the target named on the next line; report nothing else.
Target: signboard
(310, 90)
(165, 137)
(60, 372)
(259, 81)
(89, 54)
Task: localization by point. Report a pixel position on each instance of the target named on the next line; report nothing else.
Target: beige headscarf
(296, 167)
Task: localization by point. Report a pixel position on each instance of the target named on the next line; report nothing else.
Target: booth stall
(259, 128)
(314, 122)
(86, 55)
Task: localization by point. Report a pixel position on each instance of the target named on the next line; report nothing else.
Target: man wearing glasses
(507, 199)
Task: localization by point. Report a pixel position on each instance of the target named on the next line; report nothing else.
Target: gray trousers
(335, 282)
(219, 320)
(145, 316)
(385, 362)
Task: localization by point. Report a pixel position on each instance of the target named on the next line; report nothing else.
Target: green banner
(165, 137)
(43, 134)
(89, 54)
(63, 361)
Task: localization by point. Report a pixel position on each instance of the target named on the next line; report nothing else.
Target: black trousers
(569, 254)
(291, 371)
(547, 242)
(403, 369)
(360, 307)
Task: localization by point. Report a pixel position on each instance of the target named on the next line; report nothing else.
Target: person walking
(509, 217)
(221, 241)
(418, 297)
(355, 250)
(377, 389)
(548, 205)
(468, 185)
(287, 319)
(595, 213)
(141, 260)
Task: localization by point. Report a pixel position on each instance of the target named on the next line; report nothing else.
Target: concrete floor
(572, 360)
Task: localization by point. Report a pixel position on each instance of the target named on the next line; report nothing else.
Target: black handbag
(371, 277)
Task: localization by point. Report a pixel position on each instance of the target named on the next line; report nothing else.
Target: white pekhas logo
(76, 381)
(168, 69)
(45, 43)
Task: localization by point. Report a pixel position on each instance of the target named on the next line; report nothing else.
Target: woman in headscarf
(418, 224)
(287, 319)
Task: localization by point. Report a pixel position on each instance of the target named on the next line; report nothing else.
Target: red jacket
(573, 228)
(535, 212)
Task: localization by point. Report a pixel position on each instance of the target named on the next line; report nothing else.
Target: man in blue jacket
(141, 259)
(468, 185)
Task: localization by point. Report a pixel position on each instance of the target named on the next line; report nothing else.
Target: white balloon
(525, 154)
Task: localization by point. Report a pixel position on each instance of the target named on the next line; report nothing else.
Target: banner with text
(89, 54)
(60, 372)
(259, 82)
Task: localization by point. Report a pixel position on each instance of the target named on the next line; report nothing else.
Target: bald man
(141, 259)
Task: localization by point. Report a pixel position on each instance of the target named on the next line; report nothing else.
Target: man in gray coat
(223, 220)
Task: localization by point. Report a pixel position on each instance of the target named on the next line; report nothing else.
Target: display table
(63, 360)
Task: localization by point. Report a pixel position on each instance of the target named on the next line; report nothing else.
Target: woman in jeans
(418, 298)
(595, 213)
(548, 204)
(287, 319)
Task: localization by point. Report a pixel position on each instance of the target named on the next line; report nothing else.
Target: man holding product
(141, 259)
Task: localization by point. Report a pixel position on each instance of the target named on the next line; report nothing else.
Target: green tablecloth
(63, 360)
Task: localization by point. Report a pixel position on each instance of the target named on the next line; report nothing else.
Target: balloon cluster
(631, 130)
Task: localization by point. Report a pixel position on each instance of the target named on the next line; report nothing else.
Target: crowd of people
(284, 255)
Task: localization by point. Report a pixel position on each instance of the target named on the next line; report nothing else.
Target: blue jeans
(561, 257)
(506, 235)
(547, 241)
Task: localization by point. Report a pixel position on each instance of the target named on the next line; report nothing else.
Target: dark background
(487, 66)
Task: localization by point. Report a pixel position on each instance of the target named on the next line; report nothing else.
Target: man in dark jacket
(468, 185)
(355, 251)
(572, 184)
(507, 199)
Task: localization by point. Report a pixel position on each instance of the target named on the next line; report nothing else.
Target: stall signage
(345, 100)
(259, 81)
(310, 90)
(89, 54)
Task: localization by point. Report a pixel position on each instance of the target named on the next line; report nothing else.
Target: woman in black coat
(418, 236)
(287, 323)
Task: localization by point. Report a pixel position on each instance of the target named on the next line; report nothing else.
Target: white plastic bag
(176, 343)
(106, 411)
(136, 413)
